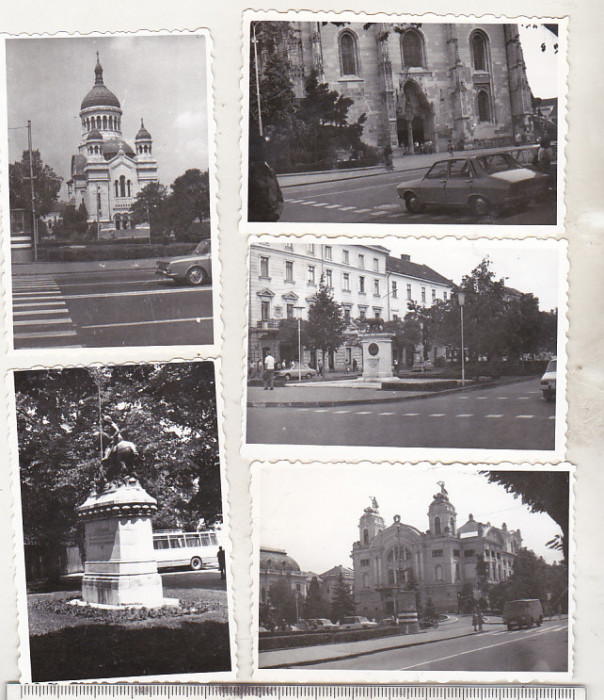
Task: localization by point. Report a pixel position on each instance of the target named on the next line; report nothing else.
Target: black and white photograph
(111, 189)
(406, 569)
(124, 569)
(409, 122)
(358, 342)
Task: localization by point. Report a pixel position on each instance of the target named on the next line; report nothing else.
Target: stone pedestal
(120, 566)
(377, 356)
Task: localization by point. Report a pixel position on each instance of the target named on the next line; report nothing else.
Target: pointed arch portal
(414, 120)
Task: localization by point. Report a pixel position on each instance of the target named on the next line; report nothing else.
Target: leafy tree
(543, 492)
(406, 334)
(342, 603)
(482, 576)
(315, 604)
(466, 598)
(189, 200)
(282, 600)
(168, 410)
(150, 206)
(46, 184)
(326, 326)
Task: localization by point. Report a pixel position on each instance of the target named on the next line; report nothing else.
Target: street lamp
(461, 298)
(98, 210)
(299, 309)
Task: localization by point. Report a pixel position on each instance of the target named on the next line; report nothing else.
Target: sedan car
(356, 622)
(548, 381)
(483, 183)
(288, 373)
(195, 269)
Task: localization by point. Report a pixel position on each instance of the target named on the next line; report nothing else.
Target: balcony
(271, 324)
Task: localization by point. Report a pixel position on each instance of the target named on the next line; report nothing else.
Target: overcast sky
(313, 513)
(541, 66)
(159, 78)
(531, 267)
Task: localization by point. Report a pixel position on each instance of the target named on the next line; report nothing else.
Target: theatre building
(387, 560)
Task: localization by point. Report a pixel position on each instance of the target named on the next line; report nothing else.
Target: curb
(352, 177)
(389, 399)
(371, 651)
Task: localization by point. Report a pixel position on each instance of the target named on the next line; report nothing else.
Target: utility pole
(255, 42)
(34, 218)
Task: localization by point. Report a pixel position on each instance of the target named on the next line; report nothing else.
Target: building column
(410, 135)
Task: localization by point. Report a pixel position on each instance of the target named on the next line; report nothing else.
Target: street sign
(449, 691)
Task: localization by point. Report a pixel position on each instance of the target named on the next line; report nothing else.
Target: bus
(193, 549)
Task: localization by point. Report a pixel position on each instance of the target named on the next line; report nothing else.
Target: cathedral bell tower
(370, 524)
(441, 513)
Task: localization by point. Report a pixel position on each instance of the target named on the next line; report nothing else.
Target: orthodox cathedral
(421, 86)
(441, 560)
(106, 172)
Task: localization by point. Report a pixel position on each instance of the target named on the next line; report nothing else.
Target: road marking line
(332, 206)
(435, 415)
(525, 416)
(308, 201)
(145, 292)
(361, 211)
(40, 311)
(462, 398)
(43, 321)
(502, 398)
(523, 398)
(377, 213)
(482, 398)
(37, 305)
(411, 414)
(494, 415)
(28, 295)
(45, 334)
(346, 208)
(320, 410)
(319, 204)
(551, 417)
(345, 411)
(387, 413)
(362, 413)
(462, 653)
(197, 319)
(464, 415)
(534, 392)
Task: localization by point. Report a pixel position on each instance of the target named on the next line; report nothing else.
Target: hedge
(267, 641)
(113, 251)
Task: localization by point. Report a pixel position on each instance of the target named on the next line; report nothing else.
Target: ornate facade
(420, 84)
(106, 172)
(388, 560)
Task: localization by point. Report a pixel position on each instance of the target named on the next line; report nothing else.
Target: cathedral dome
(143, 134)
(94, 135)
(277, 559)
(112, 147)
(100, 95)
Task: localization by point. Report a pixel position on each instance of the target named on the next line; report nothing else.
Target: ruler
(274, 691)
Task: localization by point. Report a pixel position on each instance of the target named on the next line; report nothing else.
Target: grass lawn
(70, 643)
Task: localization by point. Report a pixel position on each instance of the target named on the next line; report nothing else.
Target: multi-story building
(277, 565)
(330, 580)
(441, 560)
(433, 82)
(365, 280)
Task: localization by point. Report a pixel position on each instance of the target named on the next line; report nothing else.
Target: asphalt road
(542, 649)
(208, 579)
(109, 309)
(512, 416)
(373, 199)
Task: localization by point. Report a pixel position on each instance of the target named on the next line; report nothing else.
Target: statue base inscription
(120, 567)
(377, 356)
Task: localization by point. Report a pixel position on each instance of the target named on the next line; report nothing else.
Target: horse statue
(120, 455)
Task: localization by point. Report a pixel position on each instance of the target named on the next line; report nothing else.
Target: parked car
(288, 373)
(522, 613)
(548, 381)
(483, 183)
(320, 623)
(356, 622)
(195, 269)
(388, 622)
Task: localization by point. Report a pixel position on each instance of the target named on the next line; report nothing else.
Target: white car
(292, 372)
(356, 622)
(548, 381)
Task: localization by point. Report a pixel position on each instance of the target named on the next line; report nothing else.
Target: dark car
(484, 183)
(195, 269)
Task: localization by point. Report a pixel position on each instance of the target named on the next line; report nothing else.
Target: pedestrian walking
(475, 620)
(450, 148)
(221, 562)
(355, 364)
(269, 372)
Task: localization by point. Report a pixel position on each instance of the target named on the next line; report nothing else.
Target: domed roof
(277, 560)
(112, 146)
(94, 135)
(142, 134)
(99, 96)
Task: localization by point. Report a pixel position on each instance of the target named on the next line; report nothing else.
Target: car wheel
(197, 276)
(480, 206)
(309, 376)
(548, 396)
(196, 563)
(287, 377)
(413, 203)
(510, 627)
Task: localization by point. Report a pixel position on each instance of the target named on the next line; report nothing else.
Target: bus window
(176, 542)
(205, 539)
(213, 539)
(161, 543)
(192, 540)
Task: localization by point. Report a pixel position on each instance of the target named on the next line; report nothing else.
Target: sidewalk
(315, 396)
(303, 656)
(402, 163)
(57, 268)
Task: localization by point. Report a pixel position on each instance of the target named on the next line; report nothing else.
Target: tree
(326, 326)
(283, 601)
(406, 334)
(482, 579)
(315, 604)
(189, 200)
(150, 206)
(46, 184)
(168, 410)
(342, 603)
(543, 491)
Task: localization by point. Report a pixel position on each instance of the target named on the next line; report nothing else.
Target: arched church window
(437, 525)
(484, 107)
(129, 188)
(122, 186)
(348, 54)
(105, 122)
(479, 51)
(439, 573)
(366, 537)
(413, 49)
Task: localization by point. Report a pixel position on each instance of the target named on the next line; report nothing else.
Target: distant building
(421, 84)
(277, 565)
(442, 560)
(106, 172)
(331, 578)
(365, 280)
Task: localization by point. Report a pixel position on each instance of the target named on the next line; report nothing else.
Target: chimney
(405, 257)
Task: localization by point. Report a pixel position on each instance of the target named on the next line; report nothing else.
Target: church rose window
(412, 50)
(348, 54)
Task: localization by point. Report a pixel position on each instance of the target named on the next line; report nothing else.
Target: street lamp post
(461, 298)
(34, 218)
(98, 209)
(299, 319)
(255, 43)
